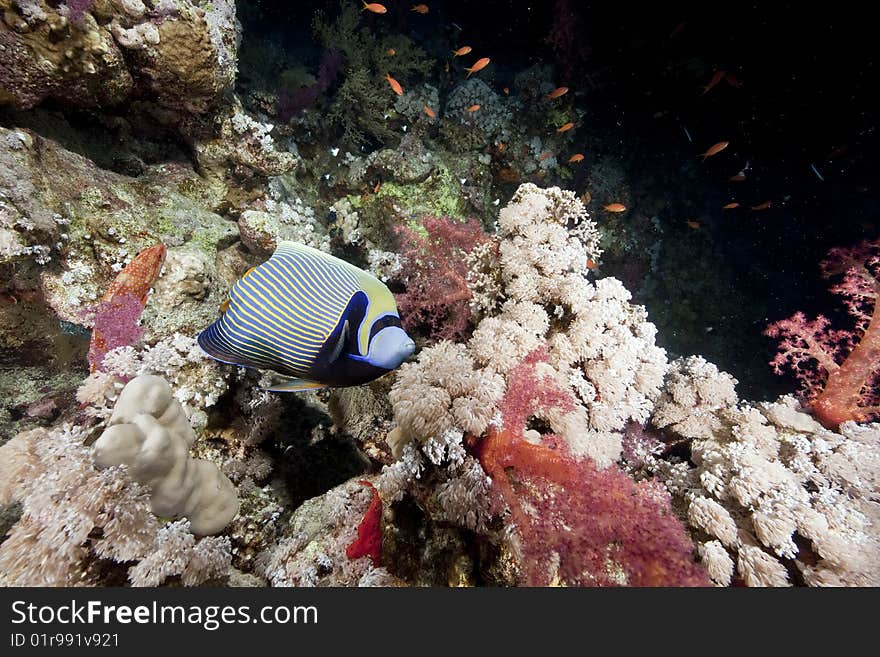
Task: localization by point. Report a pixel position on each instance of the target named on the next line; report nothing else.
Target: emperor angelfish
(311, 317)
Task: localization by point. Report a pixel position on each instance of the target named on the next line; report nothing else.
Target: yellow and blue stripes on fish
(307, 314)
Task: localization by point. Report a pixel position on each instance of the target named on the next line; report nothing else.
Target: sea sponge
(150, 434)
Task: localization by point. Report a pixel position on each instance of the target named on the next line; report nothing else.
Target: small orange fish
(762, 206)
(719, 75)
(738, 177)
(615, 207)
(377, 187)
(374, 7)
(479, 65)
(500, 146)
(224, 306)
(473, 108)
(693, 224)
(714, 149)
(394, 84)
(565, 128)
(592, 265)
(577, 157)
(421, 9)
(506, 91)
(430, 112)
(544, 156)
(464, 50)
(392, 52)
(731, 206)
(556, 93)
(586, 197)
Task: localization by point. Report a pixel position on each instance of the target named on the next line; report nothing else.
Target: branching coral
(599, 347)
(579, 525)
(437, 297)
(562, 354)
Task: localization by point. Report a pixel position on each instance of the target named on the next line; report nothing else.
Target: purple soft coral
(78, 8)
(292, 101)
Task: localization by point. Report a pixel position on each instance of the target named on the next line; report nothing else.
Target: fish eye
(383, 322)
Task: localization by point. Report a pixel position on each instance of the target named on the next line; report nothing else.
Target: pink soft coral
(435, 274)
(839, 369)
(578, 525)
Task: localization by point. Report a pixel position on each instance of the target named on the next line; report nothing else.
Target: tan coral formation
(182, 57)
(772, 493)
(149, 433)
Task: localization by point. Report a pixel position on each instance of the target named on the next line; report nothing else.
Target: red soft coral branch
(369, 538)
(435, 274)
(578, 525)
(838, 369)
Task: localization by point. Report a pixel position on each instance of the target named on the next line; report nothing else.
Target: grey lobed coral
(149, 433)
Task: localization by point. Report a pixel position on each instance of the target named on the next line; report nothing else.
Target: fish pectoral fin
(295, 385)
(340, 343)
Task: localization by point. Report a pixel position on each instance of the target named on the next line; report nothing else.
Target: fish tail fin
(213, 345)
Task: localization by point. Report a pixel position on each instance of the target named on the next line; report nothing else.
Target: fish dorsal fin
(340, 343)
(295, 385)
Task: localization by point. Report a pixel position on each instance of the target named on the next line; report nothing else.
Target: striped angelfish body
(300, 313)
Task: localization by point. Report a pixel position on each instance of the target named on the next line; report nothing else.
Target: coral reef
(539, 437)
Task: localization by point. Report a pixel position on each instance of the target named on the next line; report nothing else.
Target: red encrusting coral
(369, 538)
(838, 369)
(578, 525)
(437, 297)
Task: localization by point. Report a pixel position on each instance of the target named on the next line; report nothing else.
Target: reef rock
(81, 224)
(104, 52)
